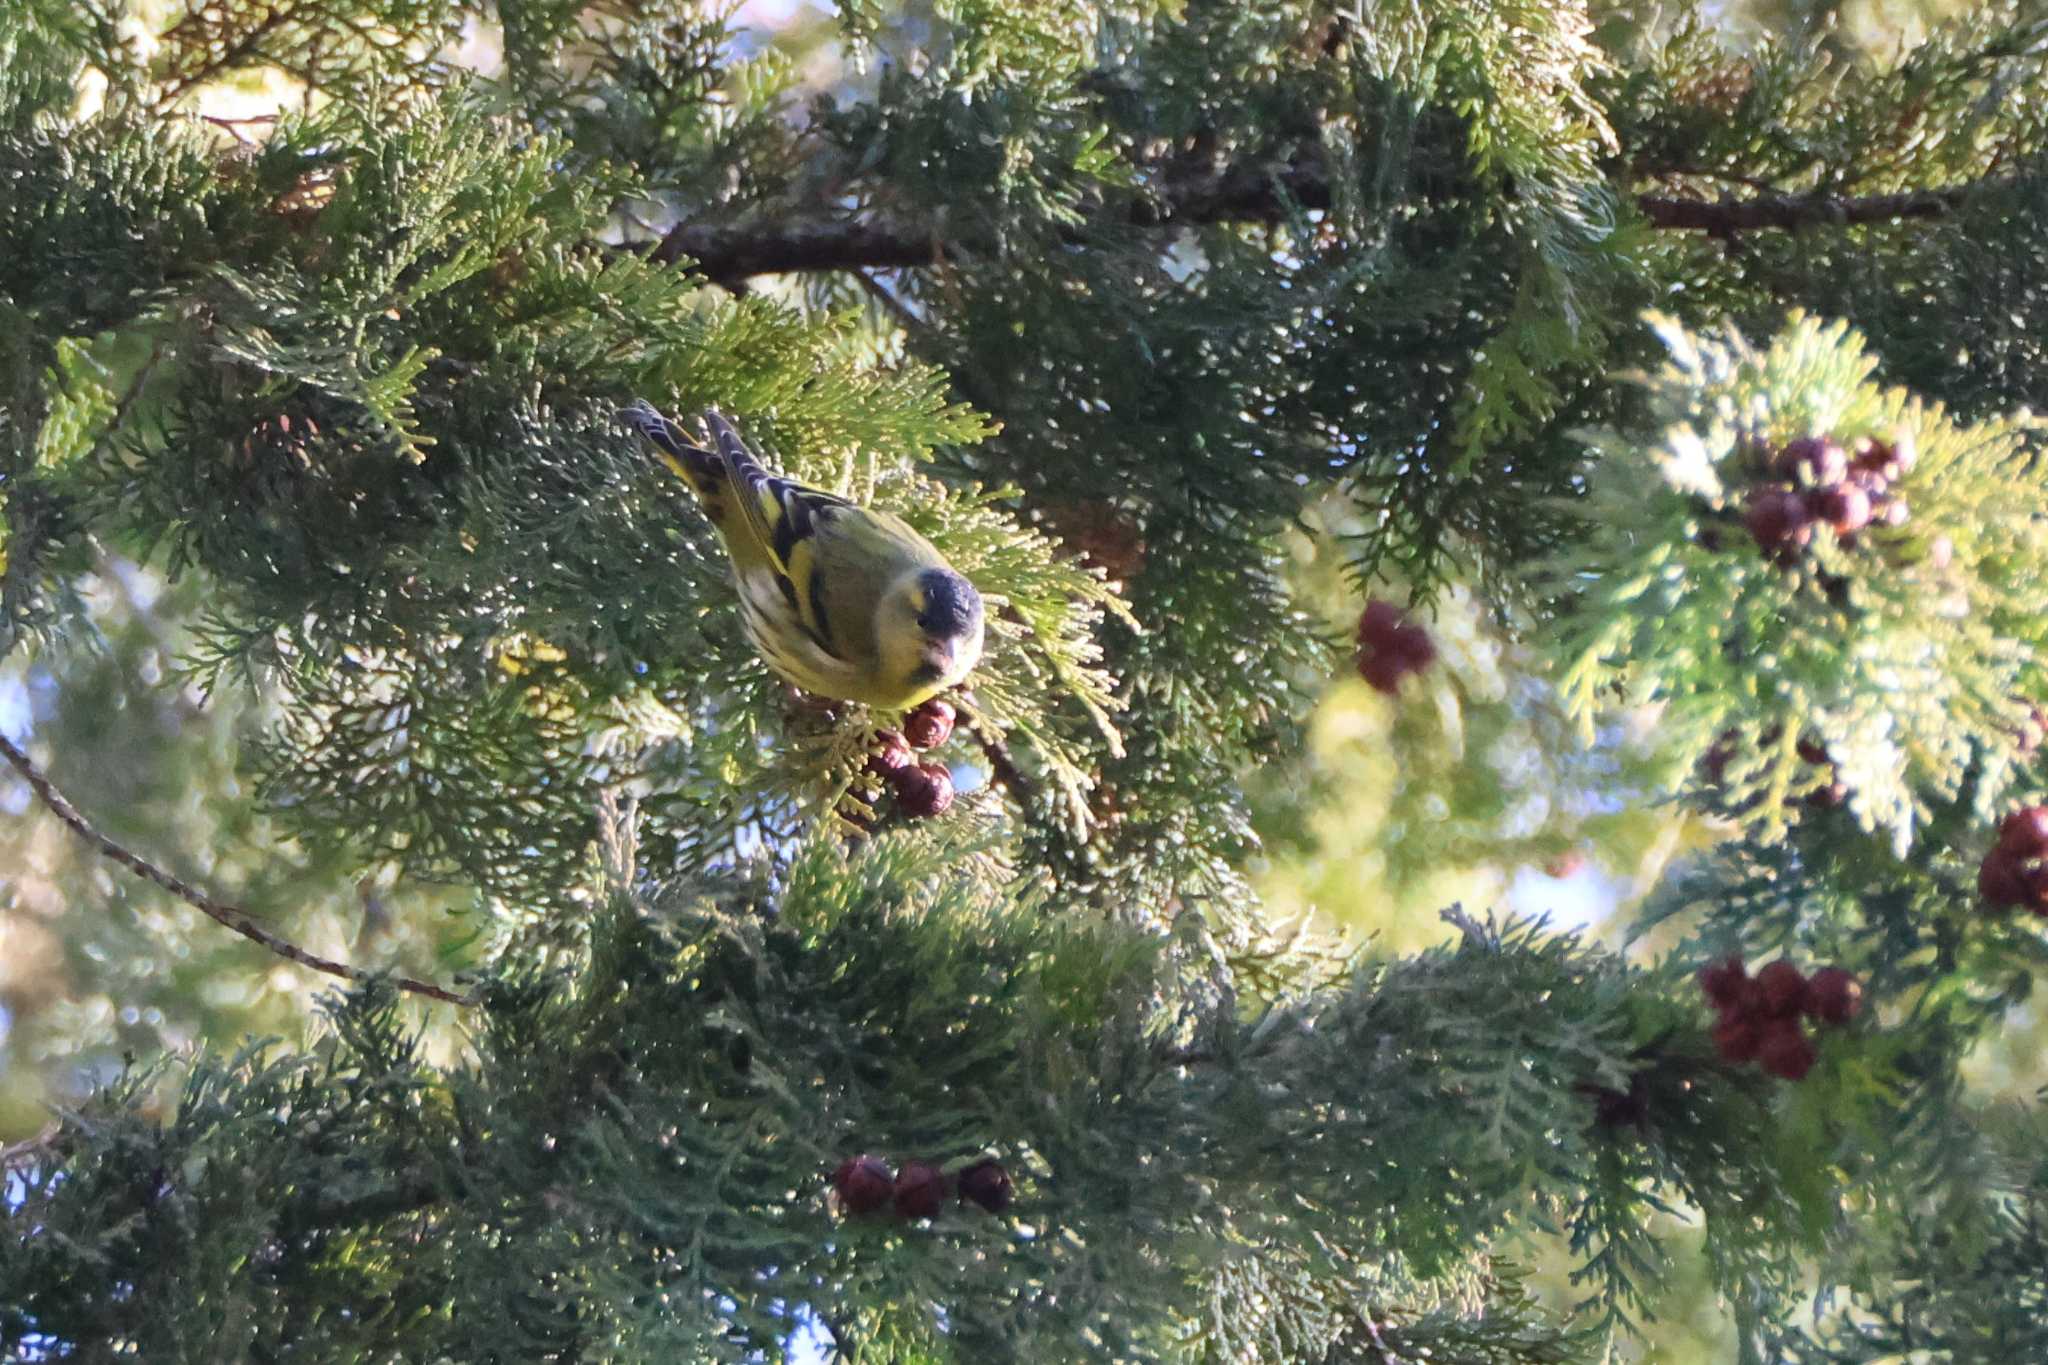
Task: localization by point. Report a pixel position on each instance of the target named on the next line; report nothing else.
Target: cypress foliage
(1173, 326)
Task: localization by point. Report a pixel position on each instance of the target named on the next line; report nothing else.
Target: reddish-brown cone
(1378, 622)
(1737, 1037)
(1780, 990)
(920, 1190)
(986, 1183)
(1785, 1051)
(2024, 833)
(1843, 506)
(922, 790)
(891, 752)
(2000, 880)
(1390, 646)
(1726, 983)
(1628, 1108)
(1890, 459)
(1569, 863)
(1778, 519)
(1714, 763)
(1413, 645)
(2032, 730)
(1833, 996)
(1828, 796)
(1383, 670)
(1815, 459)
(930, 725)
(863, 1184)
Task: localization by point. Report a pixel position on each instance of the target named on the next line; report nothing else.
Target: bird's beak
(939, 656)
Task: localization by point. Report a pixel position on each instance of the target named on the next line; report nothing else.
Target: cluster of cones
(2015, 871)
(1762, 1016)
(921, 789)
(1830, 793)
(866, 1185)
(1813, 482)
(1390, 646)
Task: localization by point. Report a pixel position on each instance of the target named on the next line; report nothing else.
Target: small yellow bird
(842, 600)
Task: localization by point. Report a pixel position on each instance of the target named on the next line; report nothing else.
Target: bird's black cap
(952, 608)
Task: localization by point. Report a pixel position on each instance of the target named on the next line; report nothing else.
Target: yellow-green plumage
(840, 599)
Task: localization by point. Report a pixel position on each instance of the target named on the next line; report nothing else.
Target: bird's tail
(694, 465)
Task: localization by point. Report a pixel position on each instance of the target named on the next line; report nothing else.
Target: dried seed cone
(863, 1184)
(920, 1190)
(930, 725)
(987, 1184)
(922, 790)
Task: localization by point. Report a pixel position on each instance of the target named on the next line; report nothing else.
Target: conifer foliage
(963, 1035)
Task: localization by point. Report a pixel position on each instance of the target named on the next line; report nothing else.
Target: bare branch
(1790, 212)
(1002, 767)
(30, 1150)
(1263, 194)
(893, 306)
(228, 915)
(729, 252)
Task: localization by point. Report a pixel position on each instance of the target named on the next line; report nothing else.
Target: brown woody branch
(1791, 212)
(729, 252)
(1001, 766)
(218, 911)
(734, 251)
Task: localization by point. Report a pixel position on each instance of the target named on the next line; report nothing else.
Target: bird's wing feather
(781, 511)
(786, 520)
(695, 466)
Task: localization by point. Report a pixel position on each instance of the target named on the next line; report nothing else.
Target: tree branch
(228, 915)
(1264, 194)
(1790, 212)
(29, 1150)
(1002, 768)
(728, 252)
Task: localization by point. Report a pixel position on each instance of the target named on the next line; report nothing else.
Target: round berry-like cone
(863, 1184)
(930, 725)
(987, 1184)
(920, 1190)
(922, 790)
(1833, 996)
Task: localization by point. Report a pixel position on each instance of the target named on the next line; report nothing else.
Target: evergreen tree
(1397, 443)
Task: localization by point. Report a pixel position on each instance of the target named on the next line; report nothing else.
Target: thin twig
(1001, 766)
(21, 1153)
(893, 306)
(230, 54)
(228, 915)
(234, 126)
(839, 1343)
(1474, 932)
(1379, 1343)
